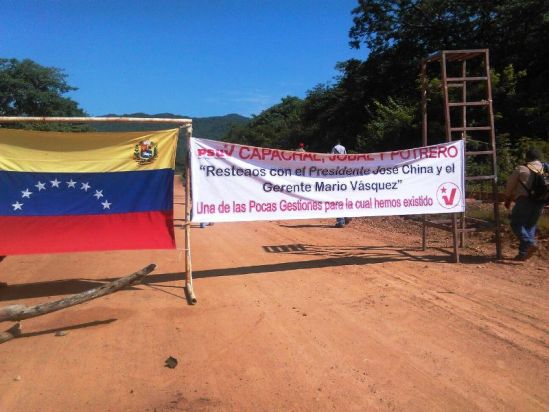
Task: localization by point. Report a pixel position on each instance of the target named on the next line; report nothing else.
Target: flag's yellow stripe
(32, 151)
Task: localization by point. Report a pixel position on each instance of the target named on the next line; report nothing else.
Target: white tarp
(233, 182)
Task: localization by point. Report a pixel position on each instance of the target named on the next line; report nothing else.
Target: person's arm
(510, 188)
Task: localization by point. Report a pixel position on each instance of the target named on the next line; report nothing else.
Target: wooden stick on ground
(11, 333)
(20, 312)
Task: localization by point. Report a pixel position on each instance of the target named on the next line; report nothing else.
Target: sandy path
(292, 315)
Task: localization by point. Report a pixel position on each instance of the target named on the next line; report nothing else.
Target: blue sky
(196, 58)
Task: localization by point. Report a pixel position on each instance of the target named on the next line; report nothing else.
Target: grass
(485, 212)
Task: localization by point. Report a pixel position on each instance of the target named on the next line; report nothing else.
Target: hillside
(214, 127)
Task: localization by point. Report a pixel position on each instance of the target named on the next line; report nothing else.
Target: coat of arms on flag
(145, 152)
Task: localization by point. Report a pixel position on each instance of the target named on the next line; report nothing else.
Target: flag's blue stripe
(57, 194)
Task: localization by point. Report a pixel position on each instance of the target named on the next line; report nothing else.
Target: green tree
(338, 111)
(392, 126)
(278, 127)
(321, 117)
(29, 89)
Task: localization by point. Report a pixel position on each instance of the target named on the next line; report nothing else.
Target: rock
(171, 362)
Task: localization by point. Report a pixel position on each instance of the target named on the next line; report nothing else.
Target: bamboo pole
(188, 263)
(17, 119)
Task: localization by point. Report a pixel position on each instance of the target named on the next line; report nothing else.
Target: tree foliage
(392, 123)
(277, 127)
(29, 89)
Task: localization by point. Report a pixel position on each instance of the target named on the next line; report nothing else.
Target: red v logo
(450, 200)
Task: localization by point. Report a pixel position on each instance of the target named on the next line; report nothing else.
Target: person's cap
(301, 145)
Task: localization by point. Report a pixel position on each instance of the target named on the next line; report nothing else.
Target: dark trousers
(524, 218)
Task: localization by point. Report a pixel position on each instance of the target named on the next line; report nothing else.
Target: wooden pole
(3, 284)
(11, 333)
(18, 119)
(188, 263)
(464, 138)
(448, 127)
(495, 191)
(424, 134)
(446, 98)
(21, 312)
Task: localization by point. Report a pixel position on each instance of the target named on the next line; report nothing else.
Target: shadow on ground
(329, 256)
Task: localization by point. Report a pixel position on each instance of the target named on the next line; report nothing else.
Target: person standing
(526, 211)
(339, 149)
(301, 148)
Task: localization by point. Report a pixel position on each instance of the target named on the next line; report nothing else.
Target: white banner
(233, 182)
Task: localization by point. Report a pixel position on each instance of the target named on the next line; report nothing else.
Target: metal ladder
(459, 223)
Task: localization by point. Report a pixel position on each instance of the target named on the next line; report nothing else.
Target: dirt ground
(291, 316)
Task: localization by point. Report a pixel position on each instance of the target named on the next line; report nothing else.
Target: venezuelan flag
(67, 192)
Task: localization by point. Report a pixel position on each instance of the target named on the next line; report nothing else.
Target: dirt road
(292, 316)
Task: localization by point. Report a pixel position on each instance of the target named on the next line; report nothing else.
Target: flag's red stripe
(56, 234)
